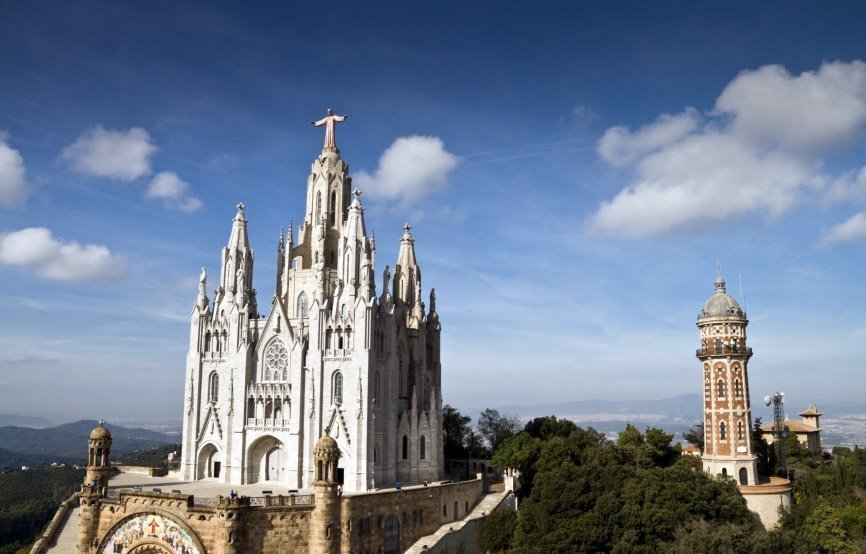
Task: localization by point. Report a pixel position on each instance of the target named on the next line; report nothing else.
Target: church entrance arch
(209, 462)
(150, 533)
(267, 460)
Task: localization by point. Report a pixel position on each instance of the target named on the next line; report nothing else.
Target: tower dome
(721, 304)
(100, 432)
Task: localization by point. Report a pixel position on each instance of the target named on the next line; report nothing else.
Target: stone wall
(421, 511)
(284, 523)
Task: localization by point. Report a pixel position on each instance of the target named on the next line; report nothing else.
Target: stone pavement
(66, 538)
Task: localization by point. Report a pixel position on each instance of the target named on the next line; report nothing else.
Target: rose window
(276, 359)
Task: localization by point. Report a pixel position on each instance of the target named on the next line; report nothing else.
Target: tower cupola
(98, 456)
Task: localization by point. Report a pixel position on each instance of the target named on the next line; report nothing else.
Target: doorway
(216, 469)
(275, 464)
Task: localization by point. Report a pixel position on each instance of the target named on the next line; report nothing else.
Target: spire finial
(241, 207)
(407, 228)
(357, 192)
(282, 236)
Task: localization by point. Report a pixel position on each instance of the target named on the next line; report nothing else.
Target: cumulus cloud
(852, 229)
(619, 146)
(116, 154)
(36, 249)
(411, 167)
(14, 188)
(173, 191)
(760, 150)
(809, 112)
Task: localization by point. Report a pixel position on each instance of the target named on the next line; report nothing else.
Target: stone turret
(325, 521)
(98, 457)
(94, 487)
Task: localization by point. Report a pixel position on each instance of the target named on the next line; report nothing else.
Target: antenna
(780, 431)
(742, 294)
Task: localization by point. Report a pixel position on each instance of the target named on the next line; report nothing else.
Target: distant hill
(14, 460)
(68, 442)
(25, 421)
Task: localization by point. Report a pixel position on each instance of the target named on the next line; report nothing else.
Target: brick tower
(727, 411)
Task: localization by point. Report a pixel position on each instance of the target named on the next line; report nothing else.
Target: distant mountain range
(68, 442)
(25, 421)
(675, 414)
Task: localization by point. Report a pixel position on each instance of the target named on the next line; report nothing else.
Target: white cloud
(619, 146)
(36, 249)
(759, 151)
(809, 112)
(14, 188)
(852, 229)
(411, 167)
(173, 191)
(116, 154)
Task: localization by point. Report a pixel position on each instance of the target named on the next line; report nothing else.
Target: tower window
(720, 388)
(422, 447)
(718, 346)
(740, 430)
(738, 388)
(722, 431)
(333, 208)
(338, 388)
(318, 208)
(302, 304)
(213, 387)
(405, 447)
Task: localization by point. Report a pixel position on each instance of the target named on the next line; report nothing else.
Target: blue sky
(578, 173)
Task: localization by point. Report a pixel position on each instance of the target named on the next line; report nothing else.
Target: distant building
(691, 450)
(724, 358)
(808, 431)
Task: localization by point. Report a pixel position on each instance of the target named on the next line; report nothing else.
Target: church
(332, 357)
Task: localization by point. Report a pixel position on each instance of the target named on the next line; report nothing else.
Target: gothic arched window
(722, 431)
(405, 447)
(333, 208)
(422, 447)
(738, 388)
(338, 388)
(318, 208)
(302, 304)
(213, 387)
(720, 388)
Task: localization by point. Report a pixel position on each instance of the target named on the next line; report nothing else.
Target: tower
(98, 469)
(724, 359)
(325, 521)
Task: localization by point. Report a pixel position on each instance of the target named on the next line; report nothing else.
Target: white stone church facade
(332, 357)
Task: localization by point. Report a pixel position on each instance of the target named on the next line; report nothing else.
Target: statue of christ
(328, 121)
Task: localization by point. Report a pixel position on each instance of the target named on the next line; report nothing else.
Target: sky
(574, 174)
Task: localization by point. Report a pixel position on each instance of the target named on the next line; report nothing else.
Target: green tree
(823, 531)
(455, 430)
(495, 427)
(498, 530)
(695, 435)
(548, 426)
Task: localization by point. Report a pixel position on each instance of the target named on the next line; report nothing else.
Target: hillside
(68, 442)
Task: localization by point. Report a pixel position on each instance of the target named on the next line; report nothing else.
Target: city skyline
(572, 182)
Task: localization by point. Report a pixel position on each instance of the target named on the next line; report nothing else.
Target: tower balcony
(724, 350)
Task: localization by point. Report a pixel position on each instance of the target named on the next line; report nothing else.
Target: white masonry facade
(332, 357)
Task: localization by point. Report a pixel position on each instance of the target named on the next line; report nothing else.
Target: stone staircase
(488, 503)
